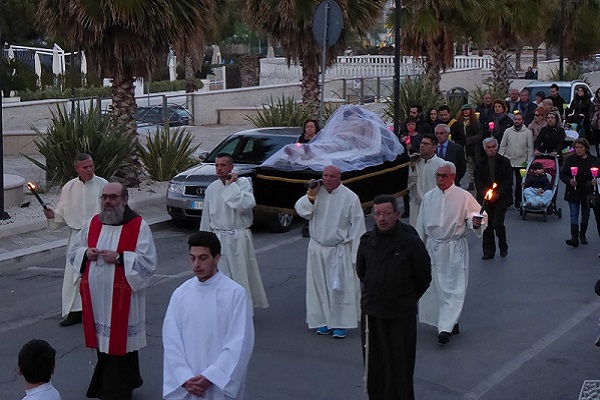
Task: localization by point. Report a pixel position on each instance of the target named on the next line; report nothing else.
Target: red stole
(121, 297)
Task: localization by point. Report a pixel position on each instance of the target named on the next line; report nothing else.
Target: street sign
(328, 23)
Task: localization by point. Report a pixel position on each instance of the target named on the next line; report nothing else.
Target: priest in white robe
(446, 213)
(336, 223)
(79, 201)
(206, 353)
(227, 211)
(421, 175)
(115, 257)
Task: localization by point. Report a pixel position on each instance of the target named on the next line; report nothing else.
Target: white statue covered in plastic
(353, 138)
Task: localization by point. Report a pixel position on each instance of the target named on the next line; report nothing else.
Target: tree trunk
(518, 53)
(433, 74)
(249, 69)
(123, 108)
(500, 71)
(190, 78)
(535, 58)
(311, 89)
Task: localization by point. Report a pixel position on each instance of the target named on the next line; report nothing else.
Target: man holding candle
(578, 179)
(497, 169)
(79, 201)
(446, 213)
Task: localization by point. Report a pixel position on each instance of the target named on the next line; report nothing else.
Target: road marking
(36, 268)
(487, 384)
(277, 244)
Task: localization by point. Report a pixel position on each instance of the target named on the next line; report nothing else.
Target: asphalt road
(527, 330)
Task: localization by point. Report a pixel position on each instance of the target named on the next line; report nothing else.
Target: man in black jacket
(395, 270)
(494, 168)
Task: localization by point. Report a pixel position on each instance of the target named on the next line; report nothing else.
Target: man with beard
(457, 133)
(79, 201)
(228, 204)
(115, 257)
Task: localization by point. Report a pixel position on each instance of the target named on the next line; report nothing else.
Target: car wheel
(280, 222)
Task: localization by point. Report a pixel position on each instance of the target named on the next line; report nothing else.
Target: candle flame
(490, 193)
(31, 186)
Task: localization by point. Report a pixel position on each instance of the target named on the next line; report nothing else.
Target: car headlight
(175, 188)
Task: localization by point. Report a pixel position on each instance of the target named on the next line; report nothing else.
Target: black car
(176, 115)
(185, 195)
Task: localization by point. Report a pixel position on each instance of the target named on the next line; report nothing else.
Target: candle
(594, 171)
(488, 197)
(523, 172)
(491, 125)
(31, 187)
(574, 171)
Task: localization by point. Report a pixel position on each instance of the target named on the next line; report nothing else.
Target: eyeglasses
(383, 214)
(443, 176)
(112, 197)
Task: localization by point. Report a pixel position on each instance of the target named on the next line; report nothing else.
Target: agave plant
(70, 134)
(413, 90)
(476, 96)
(284, 111)
(168, 152)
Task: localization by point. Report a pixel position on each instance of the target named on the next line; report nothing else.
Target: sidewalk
(26, 242)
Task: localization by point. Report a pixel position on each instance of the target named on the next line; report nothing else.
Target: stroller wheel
(559, 212)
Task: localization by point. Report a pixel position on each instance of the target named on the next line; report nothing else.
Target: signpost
(3, 214)
(327, 28)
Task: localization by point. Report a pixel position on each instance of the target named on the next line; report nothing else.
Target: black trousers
(495, 228)
(391, 351)
(115, 377)
(518, 188)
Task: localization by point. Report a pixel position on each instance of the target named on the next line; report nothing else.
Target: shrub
(70, 134)
(572, 72)
(168, 86)
(476, 96)
(285, 111)
(168, 152)
(413, 90)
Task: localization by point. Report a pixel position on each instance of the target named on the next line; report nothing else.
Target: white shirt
(78, 203)
(43, 392)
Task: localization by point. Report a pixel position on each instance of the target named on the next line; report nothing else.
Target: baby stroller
(551, 167)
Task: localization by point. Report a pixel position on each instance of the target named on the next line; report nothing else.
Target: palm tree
(289, 22)
(510, 20)
(121, 40)
(430, 28)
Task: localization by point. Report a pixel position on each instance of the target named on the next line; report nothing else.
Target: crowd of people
(382, 281)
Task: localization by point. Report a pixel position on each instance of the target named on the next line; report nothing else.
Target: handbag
(593, 200)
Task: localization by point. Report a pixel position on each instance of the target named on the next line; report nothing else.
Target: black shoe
(503, 253)
(73, 318)
(455, 329)
(305, 232)
(444, 337)
(487, 257)
(597, 342)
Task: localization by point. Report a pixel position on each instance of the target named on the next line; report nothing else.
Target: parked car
(566, 89)
(176, 115)
(185, 195)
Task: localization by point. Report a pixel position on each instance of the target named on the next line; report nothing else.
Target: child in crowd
(36, 364)
(537, 188)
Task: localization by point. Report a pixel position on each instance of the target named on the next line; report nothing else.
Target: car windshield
(250, 149)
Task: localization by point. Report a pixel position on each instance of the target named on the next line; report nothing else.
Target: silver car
(185, 195)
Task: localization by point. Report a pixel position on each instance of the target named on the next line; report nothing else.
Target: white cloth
(421, 179)
(442, 225)
(139, 269)
(216, 343)
(43, 392)
(517, 146)
(228, 213)
(78, 203)
(336, 223)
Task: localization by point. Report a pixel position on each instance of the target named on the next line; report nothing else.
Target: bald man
(336, 223)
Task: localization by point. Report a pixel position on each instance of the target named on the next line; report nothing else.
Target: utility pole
(561, 43)
(397, 68)
(3, 214)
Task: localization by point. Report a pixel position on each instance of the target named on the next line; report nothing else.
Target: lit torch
(31, 186)
(488, 197)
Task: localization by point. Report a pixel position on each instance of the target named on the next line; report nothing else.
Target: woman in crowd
(473, 138)
(309, 129)
(539, 97)
(580, 111)
(539, 121)
(578, 179)
(551, 138)
(500, 120)
(594, 134)
(432, 118)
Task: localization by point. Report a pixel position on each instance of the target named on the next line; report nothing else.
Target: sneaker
(597, 342)
(324, 330)
(339, 333)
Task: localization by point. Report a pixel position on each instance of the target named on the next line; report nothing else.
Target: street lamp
(3, 214)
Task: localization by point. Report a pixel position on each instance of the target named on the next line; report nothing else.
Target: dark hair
(502, 103)
(36, 361)
(444, 107)
(410, 119)
(205, 239)
(82, 157)
(554, 86)
(386, 198)
(541, 94)
(225, 155)
(582, 142)
(431, 137)
(314, 121)
(418, 107)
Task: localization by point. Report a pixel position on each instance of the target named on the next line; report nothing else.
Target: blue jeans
(574, 212)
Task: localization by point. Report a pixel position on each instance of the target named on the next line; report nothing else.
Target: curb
(16, 259)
